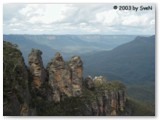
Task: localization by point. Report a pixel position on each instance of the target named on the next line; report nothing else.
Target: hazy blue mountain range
(132, 63)
(68, 45)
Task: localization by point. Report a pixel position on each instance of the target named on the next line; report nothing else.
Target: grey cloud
(83, 12)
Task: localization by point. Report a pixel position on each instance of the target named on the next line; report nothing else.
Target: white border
(157, 2)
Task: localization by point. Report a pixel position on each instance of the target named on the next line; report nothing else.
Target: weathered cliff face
(16, 96)
(108, 101)
(65, 79)
(36, 68)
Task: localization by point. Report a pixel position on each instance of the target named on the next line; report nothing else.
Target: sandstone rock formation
(36, 68)
(65, 78)
(59, 78)
(108, 102)
(76, 67)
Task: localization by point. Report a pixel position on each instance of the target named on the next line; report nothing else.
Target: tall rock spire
(36, 68)
(59, 78)
(76, 66)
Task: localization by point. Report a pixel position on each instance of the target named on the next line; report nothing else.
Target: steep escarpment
(105, 97)
(16, 95)
(60, 89)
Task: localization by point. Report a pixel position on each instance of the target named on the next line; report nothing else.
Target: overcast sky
(76, 19)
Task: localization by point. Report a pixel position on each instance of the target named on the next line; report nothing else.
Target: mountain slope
(132, 63)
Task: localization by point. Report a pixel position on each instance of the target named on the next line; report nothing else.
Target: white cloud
(44, 14)
(75, 19)
(14, 29)
(137, 20)
(108, 18)
(15, 25)
(152, 22)
(14, 20)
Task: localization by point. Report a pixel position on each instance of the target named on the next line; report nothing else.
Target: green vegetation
(140, 108)
(113, 85)
(143, 92)
(14, 77)
(73, 106)
(102, 86)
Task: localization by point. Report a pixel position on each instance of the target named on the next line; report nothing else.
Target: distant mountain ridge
(68, 45)
(135, 57)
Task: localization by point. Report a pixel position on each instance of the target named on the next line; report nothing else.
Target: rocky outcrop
(66, 81)
(99, 80)
(65, 78)
(89, 83)
(108, 101)
(36, 68)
